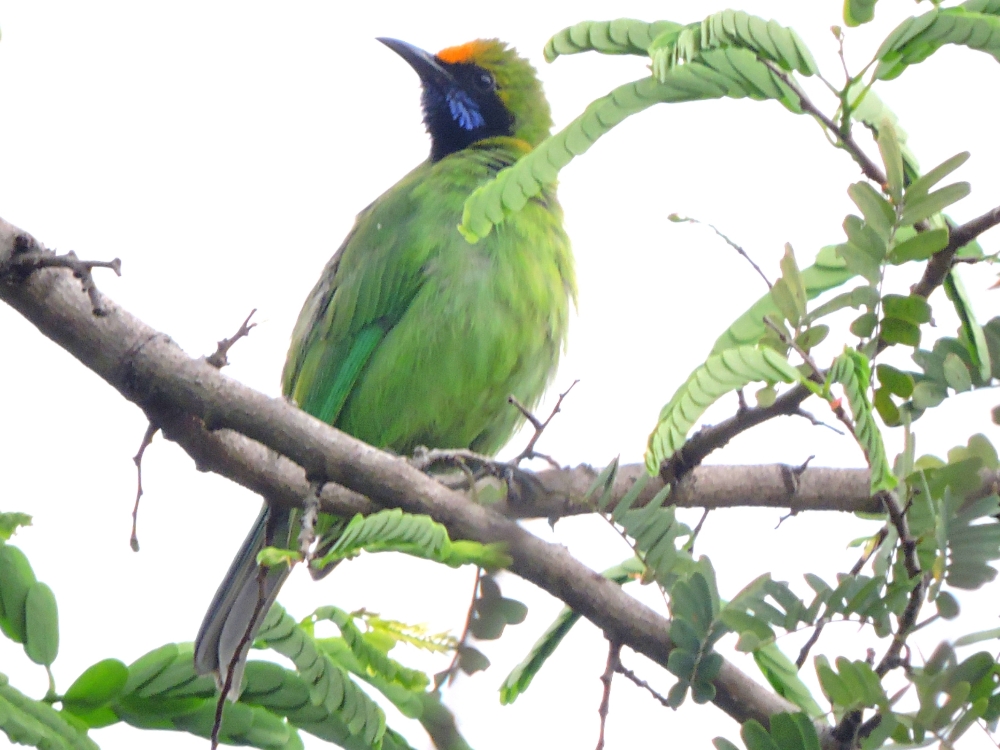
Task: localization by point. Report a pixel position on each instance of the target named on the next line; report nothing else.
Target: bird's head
(475, 91)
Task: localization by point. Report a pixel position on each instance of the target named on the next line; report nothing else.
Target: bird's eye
(486, 81)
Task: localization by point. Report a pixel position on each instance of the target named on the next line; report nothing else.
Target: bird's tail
(241, 603)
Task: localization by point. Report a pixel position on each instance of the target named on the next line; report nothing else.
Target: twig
(736, 246)
(697, 530)
(29, 256)
(218, 358)
(807, 647)
(879, 538)
(623, 670)
(839, 34)
(782, 334)
(741, 400)
(529, 450)
(452, 669)
(906, 620)
(147, 440)
(614, 652)
(942, 261)
(816, 375)
(710, 439)
(816, 422)
(244, 643)
(844, 139)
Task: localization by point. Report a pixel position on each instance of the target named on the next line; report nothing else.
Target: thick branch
(153, 372)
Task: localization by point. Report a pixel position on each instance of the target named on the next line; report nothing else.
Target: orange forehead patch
(463, 53)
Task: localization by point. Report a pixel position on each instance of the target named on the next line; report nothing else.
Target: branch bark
(150, 370)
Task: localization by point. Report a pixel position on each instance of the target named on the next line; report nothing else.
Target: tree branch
(150, 370)
(942, 261)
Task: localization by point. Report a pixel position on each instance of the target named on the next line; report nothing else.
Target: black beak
(427, 66)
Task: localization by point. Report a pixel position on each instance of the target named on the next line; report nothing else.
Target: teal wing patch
(331, 380)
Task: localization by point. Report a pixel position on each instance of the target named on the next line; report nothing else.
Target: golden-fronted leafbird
(412, 336)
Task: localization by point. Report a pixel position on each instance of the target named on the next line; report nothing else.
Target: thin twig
(623, 670)
(452, 671)
(817, 422)
(529, 450)
(908, 618)
(614, 652)
(32, 258)
(244, 643)
(807, 647)
(816, 375)
(736, 246)
(839, 34)
(147, 440)
(697, 530)
(879, 538)
(844, 139)
(218, 358)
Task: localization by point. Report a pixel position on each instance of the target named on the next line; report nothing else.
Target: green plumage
(413, 336)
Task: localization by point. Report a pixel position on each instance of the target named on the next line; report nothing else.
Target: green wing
(361, 294)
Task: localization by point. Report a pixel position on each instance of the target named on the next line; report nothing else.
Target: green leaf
(768, 40)
(329, 684)
(919, 247)
(878, 212)
(721, 373)
(29, 722)
(917, 38)
(16, 579)
(911, 308)
(41, 624)
(370, 658)
(828, 272)
(521, 676)
(11, 522)
(851, 370)
(392, 530)
(623, 36)
(921, 186)
(933, 203)
(857, 12)
(956, 374)
(892, 158)
(973, 335)
(812, 336)
(868, 108)
(885, 407)
(947, 605)
(755, 737)
(895, 381)
(861, 262)
(863, 325)
(783, 675)
(98, 686)
(896, 331)
(983, 635)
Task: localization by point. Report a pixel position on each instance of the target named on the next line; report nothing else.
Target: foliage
(938, 520)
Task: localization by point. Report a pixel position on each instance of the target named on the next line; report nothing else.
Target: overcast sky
(221, 151)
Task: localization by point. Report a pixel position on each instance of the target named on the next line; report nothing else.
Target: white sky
(221, 151)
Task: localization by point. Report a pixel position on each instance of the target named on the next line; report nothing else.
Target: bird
(413, 337)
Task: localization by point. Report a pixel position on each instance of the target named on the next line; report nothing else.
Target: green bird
(412, 336)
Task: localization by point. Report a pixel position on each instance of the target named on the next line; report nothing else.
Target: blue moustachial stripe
(464, 110)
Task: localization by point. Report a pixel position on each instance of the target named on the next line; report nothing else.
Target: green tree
(852, 327)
